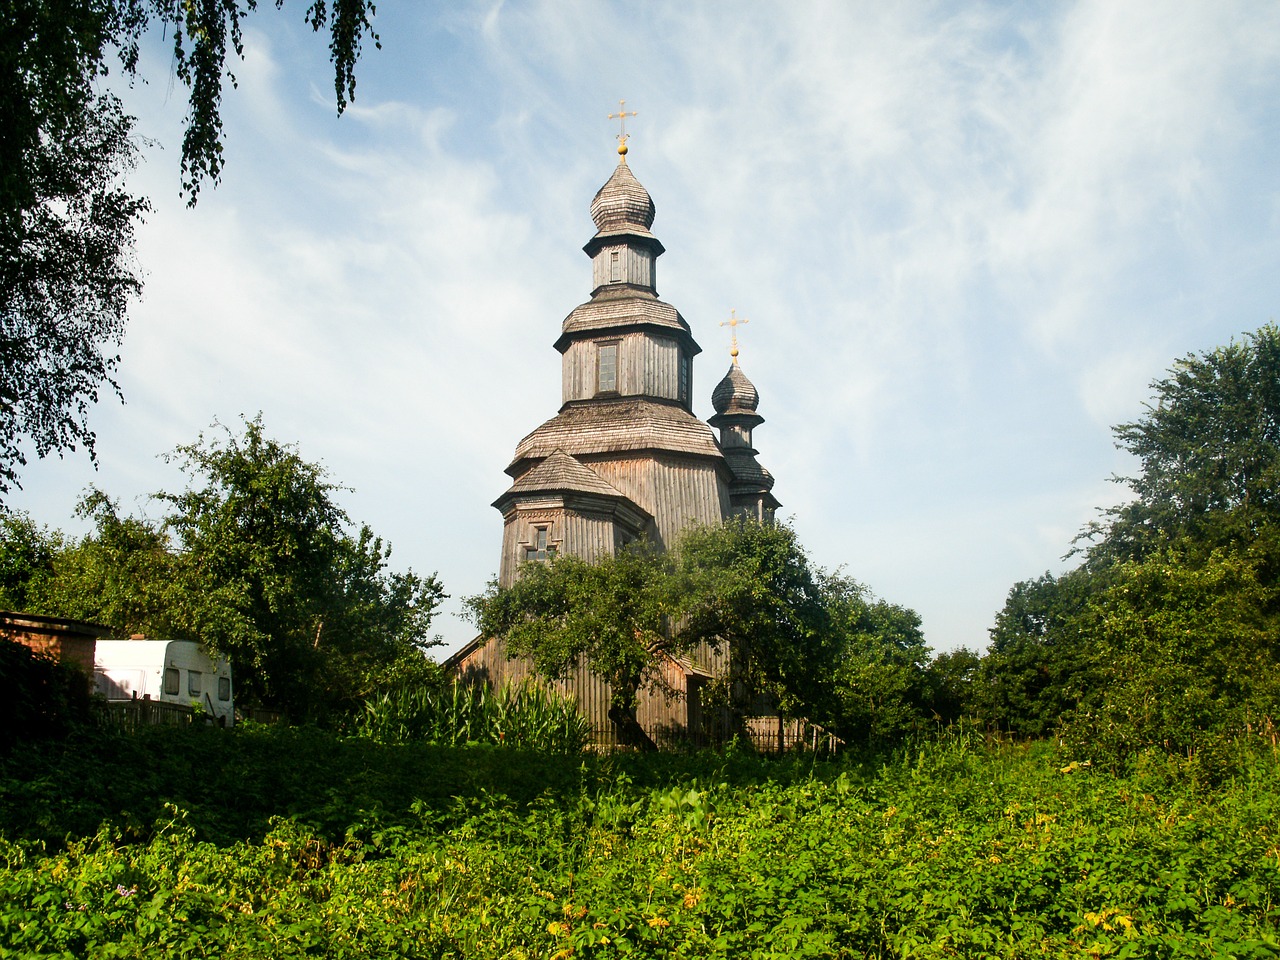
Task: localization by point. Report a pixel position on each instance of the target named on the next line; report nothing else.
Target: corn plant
(526, 716)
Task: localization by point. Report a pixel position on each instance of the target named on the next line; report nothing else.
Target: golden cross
(621, 117)
(732, 324)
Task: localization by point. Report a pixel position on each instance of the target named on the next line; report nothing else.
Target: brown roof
(12, 620)
(614, 308)
(622, 203)
(559, 473)
(615, 426)
(747, 471)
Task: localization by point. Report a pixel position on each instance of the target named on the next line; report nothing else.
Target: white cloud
(966, 235)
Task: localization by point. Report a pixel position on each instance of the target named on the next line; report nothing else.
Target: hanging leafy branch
(67, 223)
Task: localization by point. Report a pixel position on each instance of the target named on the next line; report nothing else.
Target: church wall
(632, 478)
(687, 492)
(634, 265)
(660, 375)
(676, 491)
(647, 365)
(570, 531)
(664, 714)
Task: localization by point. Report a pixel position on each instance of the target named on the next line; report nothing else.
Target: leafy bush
(44, 699)
(955, 847)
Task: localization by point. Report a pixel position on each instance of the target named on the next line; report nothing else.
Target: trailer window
(171, 687)
(224, 688)
(193, 683)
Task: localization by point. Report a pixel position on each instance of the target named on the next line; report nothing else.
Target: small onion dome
(735, 393)
(622, 202)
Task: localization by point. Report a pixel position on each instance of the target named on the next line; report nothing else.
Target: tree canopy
(1169, 633)
(750, 588)
(1209, 450)
(254, 559)
(67, 222)
(794, 638)
(614, 613)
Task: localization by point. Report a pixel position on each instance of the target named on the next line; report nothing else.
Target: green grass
(265, 843)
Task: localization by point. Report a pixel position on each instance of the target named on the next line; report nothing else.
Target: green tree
(66, 232)
(953, 682)
(614, 615)
(1183, 651)
(308, 615)
(1209, 450)
(1161, 636)
(750, 587)
(797, 639)
(26, 560)
(1032, 672)
(66, 222)
(878, 681)
(255, 560)
(125, 575)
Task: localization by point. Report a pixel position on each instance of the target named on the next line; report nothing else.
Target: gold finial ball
(733, 352)
(622, 149)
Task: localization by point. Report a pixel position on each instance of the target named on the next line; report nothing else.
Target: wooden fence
(777, 734)
(133, 714)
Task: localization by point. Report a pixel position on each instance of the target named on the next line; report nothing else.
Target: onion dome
(622, 203)
(735, 393)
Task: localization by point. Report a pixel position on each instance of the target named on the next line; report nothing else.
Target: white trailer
(173, 671)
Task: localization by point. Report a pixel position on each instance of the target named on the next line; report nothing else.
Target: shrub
(43, 698)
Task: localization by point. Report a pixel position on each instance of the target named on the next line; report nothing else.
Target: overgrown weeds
(315, 845)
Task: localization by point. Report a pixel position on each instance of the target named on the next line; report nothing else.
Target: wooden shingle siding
(617, 308)
(647, 366)
(591, 534)
(617, 426)
(633, 477)
(635, 266)
(561, 472)
(676, 491)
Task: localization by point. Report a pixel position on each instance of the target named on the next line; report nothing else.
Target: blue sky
(966, 235)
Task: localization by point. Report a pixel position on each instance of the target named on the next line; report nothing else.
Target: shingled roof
(623, 204)
(560, 473)
(628, 423)
(614, 308)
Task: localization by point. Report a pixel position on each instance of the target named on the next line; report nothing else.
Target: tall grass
(527, 716)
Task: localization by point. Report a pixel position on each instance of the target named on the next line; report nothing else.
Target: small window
(684, 379)
(171, 681)
(224, 689)
(540, 550)
(193, 683)
(607, 368)
(615, 267)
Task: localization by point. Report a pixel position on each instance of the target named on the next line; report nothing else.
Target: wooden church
(625, 457)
